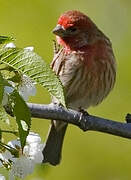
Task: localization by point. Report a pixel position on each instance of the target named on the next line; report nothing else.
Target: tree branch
(82, 120)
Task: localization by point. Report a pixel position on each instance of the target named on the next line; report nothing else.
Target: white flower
(33, 138)
(34, 148)
(25, 163)
(27, 88)
(2, 177)
(6, 156)
(10, 45)
(7, 90)
(30, 48)
(14, 143)
(22, 167)
(34, 151)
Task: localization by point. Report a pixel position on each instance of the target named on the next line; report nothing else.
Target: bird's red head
(74, 29)
(74, 19)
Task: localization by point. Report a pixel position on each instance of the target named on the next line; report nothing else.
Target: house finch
(86, 67)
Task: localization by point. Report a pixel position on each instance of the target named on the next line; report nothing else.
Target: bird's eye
(72, 29)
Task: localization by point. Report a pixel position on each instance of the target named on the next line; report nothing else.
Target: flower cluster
(26, 88)
(2, 177)
(23, 163)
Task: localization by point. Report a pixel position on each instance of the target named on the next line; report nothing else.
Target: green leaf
(29, 63)
(0, 135)
(5, 39)
(1, 88)
(23, 117)
(3, 115)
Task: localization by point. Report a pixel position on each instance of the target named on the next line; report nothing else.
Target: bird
(86, 65)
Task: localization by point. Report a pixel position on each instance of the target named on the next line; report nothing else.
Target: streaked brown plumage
(86, 67)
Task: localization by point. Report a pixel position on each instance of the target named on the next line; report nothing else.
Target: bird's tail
(53, 148)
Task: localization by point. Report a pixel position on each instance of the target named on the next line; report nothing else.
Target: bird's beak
(59, 30)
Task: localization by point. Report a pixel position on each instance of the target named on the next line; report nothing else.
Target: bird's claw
(83, 121)
(128, 118)
(83, 112)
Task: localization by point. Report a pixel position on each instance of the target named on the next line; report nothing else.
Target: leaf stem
(13, 151)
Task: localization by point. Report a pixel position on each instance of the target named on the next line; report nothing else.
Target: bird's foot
(128, 118)
(83, 112)
(83, 119)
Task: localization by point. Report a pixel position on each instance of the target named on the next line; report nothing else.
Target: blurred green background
(90, 155)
